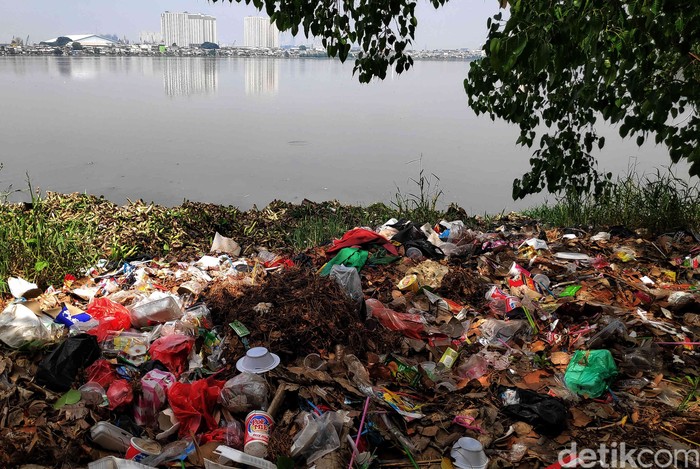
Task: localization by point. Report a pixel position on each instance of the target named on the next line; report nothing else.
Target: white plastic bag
(19, 326)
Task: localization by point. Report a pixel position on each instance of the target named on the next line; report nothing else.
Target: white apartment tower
(187, 29)
(258, 32)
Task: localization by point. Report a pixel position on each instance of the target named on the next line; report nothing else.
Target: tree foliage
(554, 68)
(384, 29)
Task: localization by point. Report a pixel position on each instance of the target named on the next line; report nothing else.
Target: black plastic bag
(545, 413)
(58, 370)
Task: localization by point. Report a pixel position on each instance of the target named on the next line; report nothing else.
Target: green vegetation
(552, 68)
(659, 203)
(61, 234)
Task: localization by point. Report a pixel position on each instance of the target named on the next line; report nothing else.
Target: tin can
(409, 283)
(140, 449)
(258, 425)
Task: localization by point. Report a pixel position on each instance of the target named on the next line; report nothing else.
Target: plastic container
(110, 437)
(155, 312)
(468, 453)
(140, 449)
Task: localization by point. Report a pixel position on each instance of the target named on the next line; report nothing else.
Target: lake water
(247, 131)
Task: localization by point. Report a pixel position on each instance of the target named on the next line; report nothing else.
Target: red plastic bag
(410, 325)
(120, 394)
(101, 372)
(112, 317)
(172, 351)
(193, 404)
(230, 435)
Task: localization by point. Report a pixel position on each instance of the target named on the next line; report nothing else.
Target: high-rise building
(258, 32)
(150, 37)
(187, 29)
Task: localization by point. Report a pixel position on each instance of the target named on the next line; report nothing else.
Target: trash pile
(407, 345)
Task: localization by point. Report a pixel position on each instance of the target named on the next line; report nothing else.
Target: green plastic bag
(590, 371)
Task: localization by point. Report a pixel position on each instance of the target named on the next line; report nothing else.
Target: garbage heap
(407, 345)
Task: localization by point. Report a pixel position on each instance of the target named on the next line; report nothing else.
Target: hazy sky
(460, 23)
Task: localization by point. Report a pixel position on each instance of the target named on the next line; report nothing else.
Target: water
(247, 131)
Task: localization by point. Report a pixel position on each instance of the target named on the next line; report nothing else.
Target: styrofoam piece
(110, 436)
(214, 465)
(239, 456)
(111, 462)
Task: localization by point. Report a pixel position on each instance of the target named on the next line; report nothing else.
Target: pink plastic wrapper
(154, 388)
(410, 325)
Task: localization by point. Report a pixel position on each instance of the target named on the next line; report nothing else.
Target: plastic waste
(614, 330)
(155, 312)
(410, 325)
(349, 279)
(646, 358)
(474, 368)
(154, 388)
(120, 394)
(172, 351)
(245, 392)
(468, 453)
(231, 435)
(60, 367)
(110, 315)
(20, 288)
(20, 327)
(320, 435)
(625, 254)
(589, 373)
(192, 404)
(496, 330)
(547, 414)
(224, 244)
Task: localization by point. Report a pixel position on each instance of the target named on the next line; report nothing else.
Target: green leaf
(40, 265)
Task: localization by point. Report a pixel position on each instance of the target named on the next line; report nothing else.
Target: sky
(458, 24)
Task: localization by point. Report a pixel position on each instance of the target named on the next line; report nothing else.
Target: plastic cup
(257, 433)
(140, 449)
(313, 361)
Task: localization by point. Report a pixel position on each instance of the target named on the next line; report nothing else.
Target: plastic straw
(359, 434)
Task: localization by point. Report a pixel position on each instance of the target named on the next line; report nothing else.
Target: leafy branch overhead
(554, 68)
(383, 29)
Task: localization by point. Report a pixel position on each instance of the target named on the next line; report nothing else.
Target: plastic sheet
(547, 414)
(58, 370)
(173, 352)
(349, 279)
(589, 373)
(245, 392)
(320, 436)
(192, 404)
(231, 435)
(111, 316)
(20, 327)
(101, 372)
(120, 394)
(410, 325)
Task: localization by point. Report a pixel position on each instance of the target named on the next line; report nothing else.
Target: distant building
(258, 32)
(150, 37)
(187, 29)
(92, 40)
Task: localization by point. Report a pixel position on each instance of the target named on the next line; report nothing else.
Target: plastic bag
(245, 392)
(172, 351)
(589, 373)
(58, 370)
(112, 317)
(193, 403)
(547, 414)
(410, 325)
(20, 327)
(101, 372)
(154, 388)
(120, 394)
(320, 435)
(349, 279)
(496, 330)
(231, 435)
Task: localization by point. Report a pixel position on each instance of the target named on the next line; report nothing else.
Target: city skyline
(187, 29)
(455, 25)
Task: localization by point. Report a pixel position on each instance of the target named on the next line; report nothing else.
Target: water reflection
(188, 76)
(261, 77)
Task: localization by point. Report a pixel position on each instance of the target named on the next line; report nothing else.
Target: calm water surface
(247, 131)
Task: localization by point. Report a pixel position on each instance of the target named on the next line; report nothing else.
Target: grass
(658, 202)
(39, 246)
